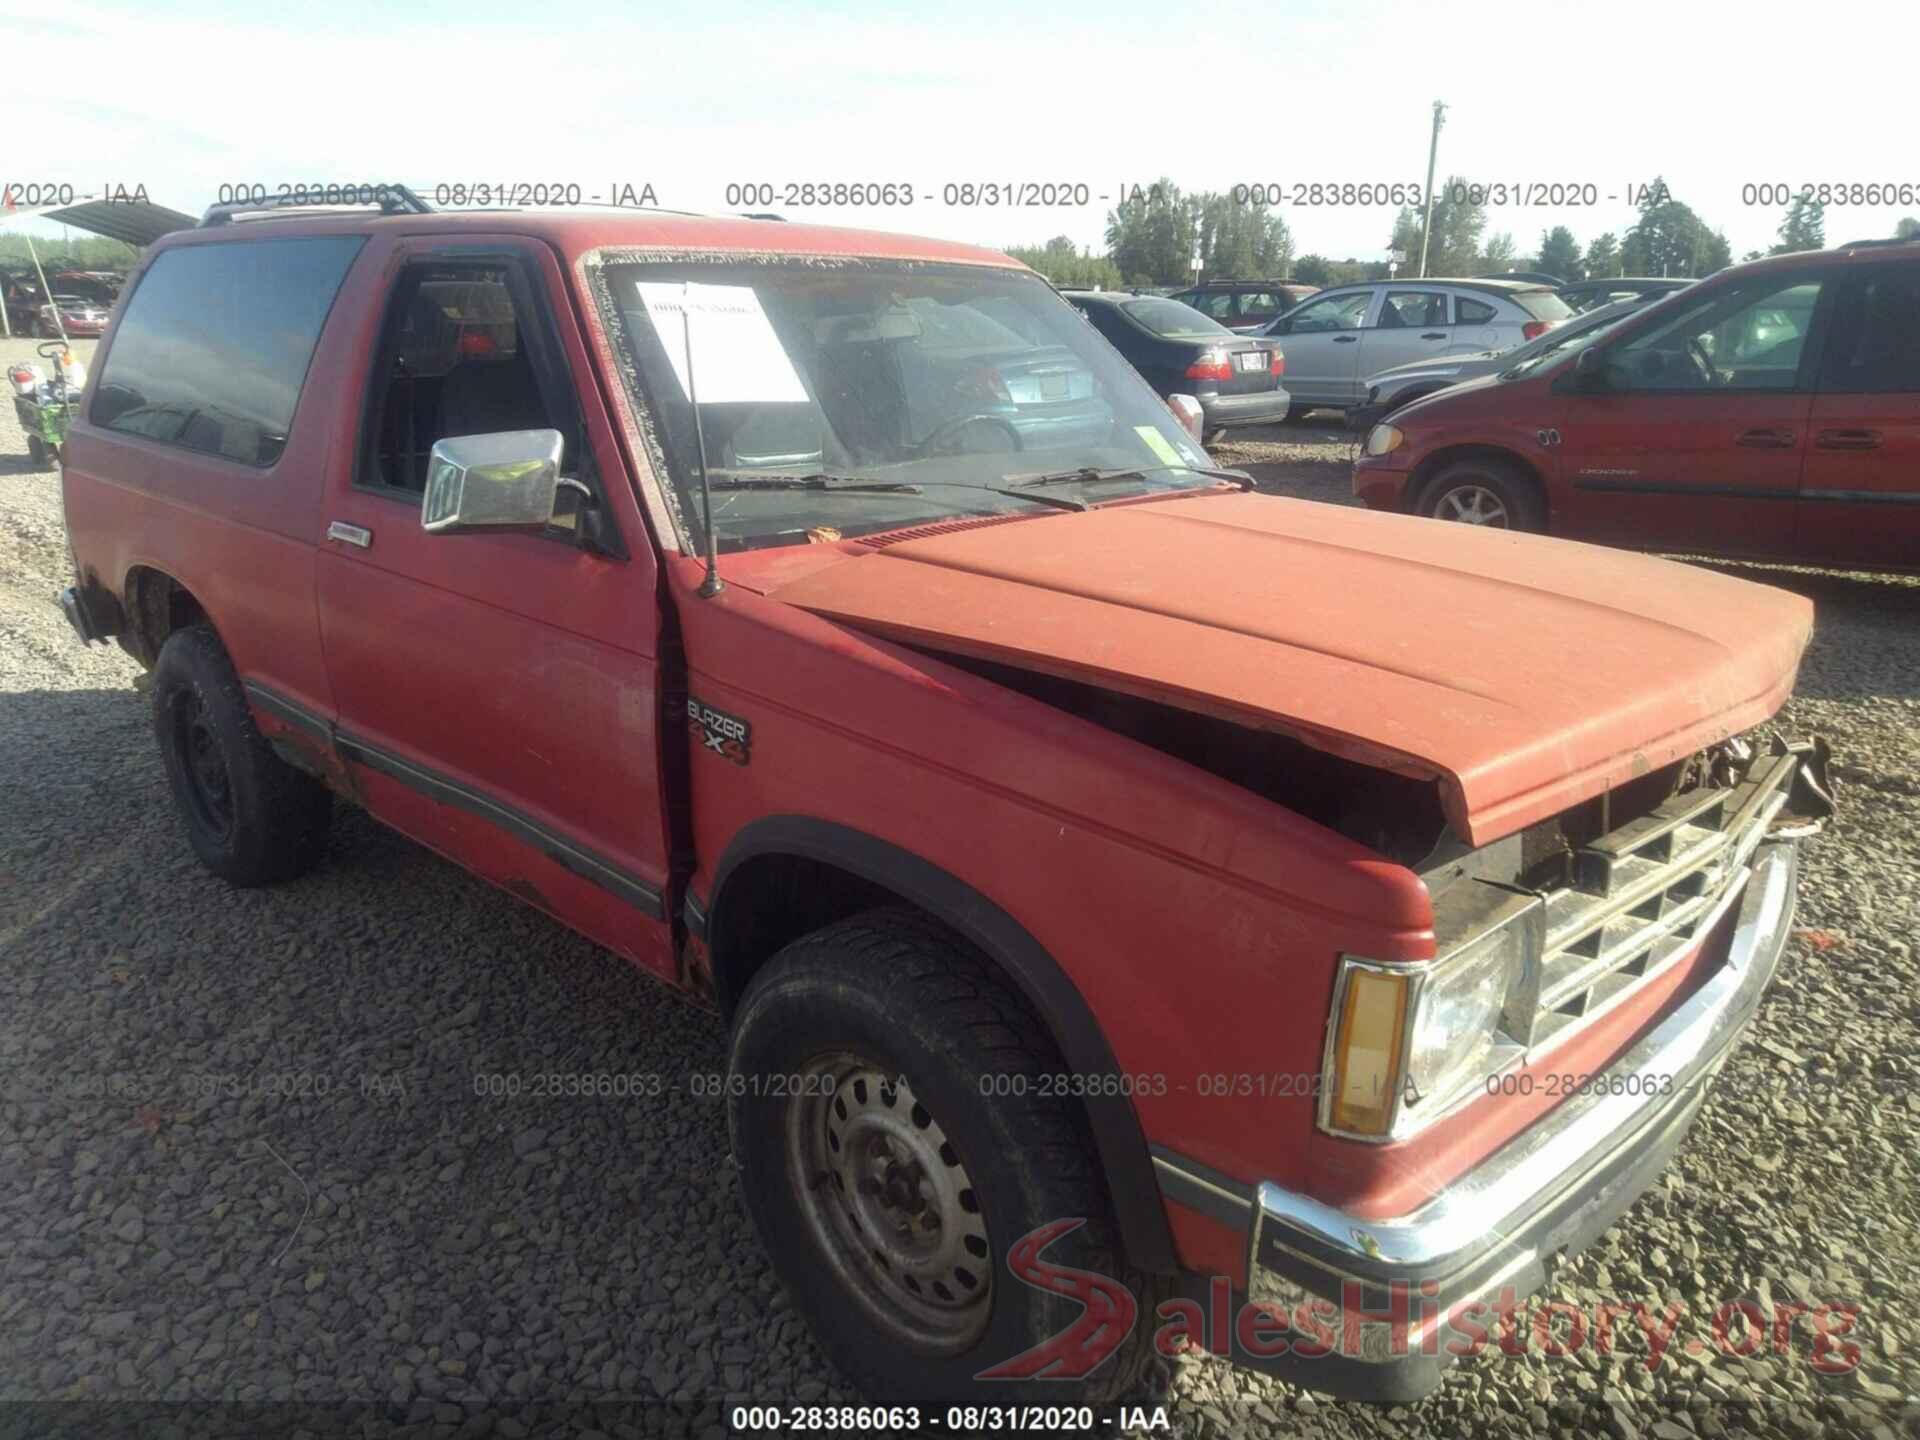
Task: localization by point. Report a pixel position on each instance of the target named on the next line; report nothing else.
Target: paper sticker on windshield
(737, 358)
(1160, 445)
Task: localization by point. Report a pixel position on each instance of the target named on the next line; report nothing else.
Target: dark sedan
(1236, 378)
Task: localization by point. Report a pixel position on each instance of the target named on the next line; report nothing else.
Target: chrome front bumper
(1549, 1191)
(1522, 1204)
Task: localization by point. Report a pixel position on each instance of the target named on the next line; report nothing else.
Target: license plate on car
(1251, 360)
(1053, 387)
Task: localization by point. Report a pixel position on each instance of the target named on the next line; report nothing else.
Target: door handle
(1346, 339)
(350, 534)
(1764, 439)
(1434, 335)
(1847, 440)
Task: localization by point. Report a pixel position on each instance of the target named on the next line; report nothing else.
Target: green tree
(1457, 226)
(1242, 241)
(1067, 266)
(1906, 229)
(1151, 234)
(1670, 239)
(1603, 256)
(1559, 253)
(1715, 253)
(1498, 257)
(1805, 226)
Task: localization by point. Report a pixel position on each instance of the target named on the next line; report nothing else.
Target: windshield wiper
(823, 484)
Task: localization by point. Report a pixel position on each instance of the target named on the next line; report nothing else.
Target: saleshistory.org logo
(1257, 1330)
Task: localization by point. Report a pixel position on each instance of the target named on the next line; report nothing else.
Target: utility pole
(1433, 154)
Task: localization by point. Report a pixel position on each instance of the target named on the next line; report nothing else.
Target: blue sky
(181, 98)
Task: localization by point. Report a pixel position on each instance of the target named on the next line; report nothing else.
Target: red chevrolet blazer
(1771, 412)
(1122, 900)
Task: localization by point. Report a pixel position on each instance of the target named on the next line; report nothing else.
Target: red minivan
(1770, 412)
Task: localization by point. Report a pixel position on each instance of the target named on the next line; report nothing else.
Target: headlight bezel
(1471, 919)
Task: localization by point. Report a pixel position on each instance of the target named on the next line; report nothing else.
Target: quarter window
(1472, 312)
(215, 343)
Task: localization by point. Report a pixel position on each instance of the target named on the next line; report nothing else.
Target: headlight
(1406, 1042)
(1384, 439)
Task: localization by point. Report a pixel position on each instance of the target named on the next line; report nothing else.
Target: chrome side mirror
(505, 481)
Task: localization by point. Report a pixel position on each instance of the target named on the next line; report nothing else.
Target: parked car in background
(1236, 378)
(1348, 332)
(1771, 411)
(79, 317)
(1583, 295)
(1244, 305)
(20, 292)
(1403, 384)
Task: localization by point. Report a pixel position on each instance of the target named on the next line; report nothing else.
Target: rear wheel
(250, 816)
(897, 1151)
(1488, 492)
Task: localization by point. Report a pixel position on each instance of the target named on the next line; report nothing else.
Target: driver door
(1698, 439)
(1321, 341)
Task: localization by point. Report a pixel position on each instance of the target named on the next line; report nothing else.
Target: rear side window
(1542, 304)
(1171, 320)
(1472, 312)
(215, 344)
(1875, 349)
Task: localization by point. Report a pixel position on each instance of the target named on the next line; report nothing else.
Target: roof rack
(390, 199)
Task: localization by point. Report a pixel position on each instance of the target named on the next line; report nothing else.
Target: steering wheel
(1698, 354)
(954, 426)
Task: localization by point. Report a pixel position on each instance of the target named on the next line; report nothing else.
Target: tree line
(1154, 233)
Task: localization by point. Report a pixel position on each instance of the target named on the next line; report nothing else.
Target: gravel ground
(242, 1157)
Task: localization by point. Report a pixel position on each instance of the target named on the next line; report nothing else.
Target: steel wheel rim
(889, 1202)
(209, 787)
(1473, 505)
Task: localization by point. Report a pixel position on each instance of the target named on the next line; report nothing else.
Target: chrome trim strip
(1472, 1218)
(563, 852)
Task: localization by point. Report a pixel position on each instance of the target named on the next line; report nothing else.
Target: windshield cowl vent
(949, 527)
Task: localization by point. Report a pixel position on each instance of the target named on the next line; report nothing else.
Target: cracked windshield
(854, 399)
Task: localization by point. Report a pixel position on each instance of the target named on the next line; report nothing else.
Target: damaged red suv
(1771, 412)
(1115, 892)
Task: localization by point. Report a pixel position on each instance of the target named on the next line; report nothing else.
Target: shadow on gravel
(383, 1123)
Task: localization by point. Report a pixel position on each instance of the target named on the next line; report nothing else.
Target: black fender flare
(1117, 1136)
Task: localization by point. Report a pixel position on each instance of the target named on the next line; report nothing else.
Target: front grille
(1640, 893)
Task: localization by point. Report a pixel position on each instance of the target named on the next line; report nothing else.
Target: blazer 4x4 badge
(724, 734)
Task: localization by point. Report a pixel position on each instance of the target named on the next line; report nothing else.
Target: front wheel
(1488, 492)
(925, 1189)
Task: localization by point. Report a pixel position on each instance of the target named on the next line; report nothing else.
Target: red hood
(1524, 674)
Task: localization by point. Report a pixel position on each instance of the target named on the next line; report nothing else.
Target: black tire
(1496, 488)
(37, 452)
(252, 818)
(911, 999)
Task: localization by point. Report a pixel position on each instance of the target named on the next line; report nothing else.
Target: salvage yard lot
(277, 1144)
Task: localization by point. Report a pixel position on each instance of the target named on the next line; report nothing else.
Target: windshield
(1174, 320)
(1558, 344)
(847, 398)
